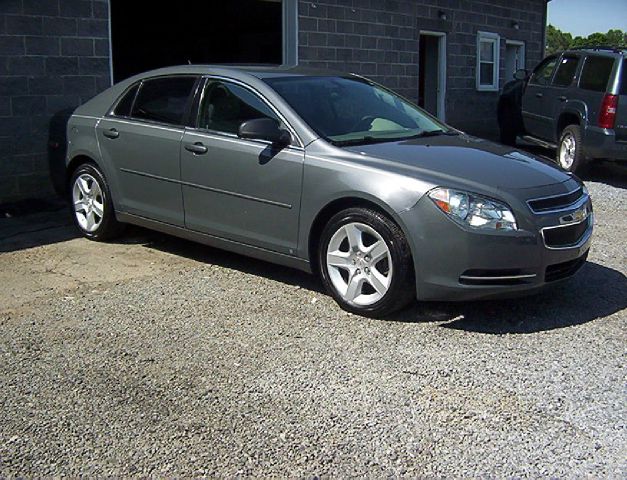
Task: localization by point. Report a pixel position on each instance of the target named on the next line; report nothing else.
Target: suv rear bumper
(600, 143)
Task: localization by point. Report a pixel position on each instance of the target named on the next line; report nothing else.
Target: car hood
(468, 159)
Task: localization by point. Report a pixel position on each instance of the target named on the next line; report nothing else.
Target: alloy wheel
(88, 202)
(568, 149)
(359, 264)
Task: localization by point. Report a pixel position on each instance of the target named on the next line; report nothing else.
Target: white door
(432, 72)
(514, 58)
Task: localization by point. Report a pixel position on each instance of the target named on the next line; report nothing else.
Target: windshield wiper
(369, 140)
(433, 133)
(362, 141)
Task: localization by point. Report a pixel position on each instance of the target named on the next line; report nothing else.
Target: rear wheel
(570, 155)
(92, 209)
(365, 263)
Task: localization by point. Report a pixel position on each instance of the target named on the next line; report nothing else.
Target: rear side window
(163, 99)
(123, 108)
(543, 72)
(566, 71)
(595, 74)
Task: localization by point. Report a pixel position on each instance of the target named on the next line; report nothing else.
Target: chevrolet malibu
(328, 173)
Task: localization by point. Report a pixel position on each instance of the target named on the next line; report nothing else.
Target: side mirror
(521, 74)
(264, 129)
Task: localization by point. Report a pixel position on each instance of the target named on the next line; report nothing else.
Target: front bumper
(456, 263)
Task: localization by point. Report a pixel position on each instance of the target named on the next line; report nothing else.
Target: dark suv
(574, 101)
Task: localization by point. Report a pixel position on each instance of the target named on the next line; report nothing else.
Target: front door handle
(539, 95)
(562, 98)
(111, 133)
(197, 148)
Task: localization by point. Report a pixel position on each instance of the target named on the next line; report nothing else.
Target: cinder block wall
(54, 55)
(379, 39)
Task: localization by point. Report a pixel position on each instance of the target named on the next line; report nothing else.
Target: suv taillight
(607, 114)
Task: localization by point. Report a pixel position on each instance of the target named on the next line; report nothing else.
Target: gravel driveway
(155, 356)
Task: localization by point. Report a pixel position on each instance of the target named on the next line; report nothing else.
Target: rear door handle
(562, 98)
(539, 95)
(197, 148)
(111, 133)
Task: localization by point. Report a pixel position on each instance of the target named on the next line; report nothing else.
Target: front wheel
(365, 263)
(92, 207)
(570, 154)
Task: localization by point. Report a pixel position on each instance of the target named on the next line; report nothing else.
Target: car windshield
(353, 111)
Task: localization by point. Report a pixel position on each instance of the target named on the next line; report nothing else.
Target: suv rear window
(623, 83)
(163, 99)
(595, 74)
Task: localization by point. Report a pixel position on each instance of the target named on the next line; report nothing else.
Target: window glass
(596, 73)
(543, 72)
(487, 61)
(163, 99)
(225, 106)
(566, 71)
(623, 84)
(123, 108)
(348, 109)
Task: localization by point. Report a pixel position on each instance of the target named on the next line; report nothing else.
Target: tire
(570, 154)
(91, 205)
(369, 285)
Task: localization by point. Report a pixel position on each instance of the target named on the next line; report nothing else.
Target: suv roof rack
(611, 48)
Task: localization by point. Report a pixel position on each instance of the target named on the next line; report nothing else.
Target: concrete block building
(449, 56)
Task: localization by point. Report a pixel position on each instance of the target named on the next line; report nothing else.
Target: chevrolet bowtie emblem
(576, 217)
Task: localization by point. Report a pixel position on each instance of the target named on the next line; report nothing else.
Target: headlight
(473, 210)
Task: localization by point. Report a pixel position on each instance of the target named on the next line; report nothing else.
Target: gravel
(225, 366)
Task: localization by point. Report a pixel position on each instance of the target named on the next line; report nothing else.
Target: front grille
(557, 202)
(559, 271)
(565, 236)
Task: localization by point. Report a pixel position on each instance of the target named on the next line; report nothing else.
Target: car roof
(258, 71)
(601, 50)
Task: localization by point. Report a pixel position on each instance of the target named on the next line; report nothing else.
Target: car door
(535, 109)
(141, 140)
(561, 89)
(243, 190)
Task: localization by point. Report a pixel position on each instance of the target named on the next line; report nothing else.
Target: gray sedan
(328, 173)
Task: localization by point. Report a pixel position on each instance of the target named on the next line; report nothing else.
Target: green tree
(556, 40)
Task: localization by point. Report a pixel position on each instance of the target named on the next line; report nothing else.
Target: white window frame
(495, 40)
(290, 33)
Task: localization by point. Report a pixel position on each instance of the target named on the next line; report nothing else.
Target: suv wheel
(365, 263)
(570, 155)
(92, 208)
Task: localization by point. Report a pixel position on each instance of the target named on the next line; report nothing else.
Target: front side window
(351, 110)
(566, 71)
(595, 74)
(488, 47)
(543, 72)
(163, 100)
(225, 106)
